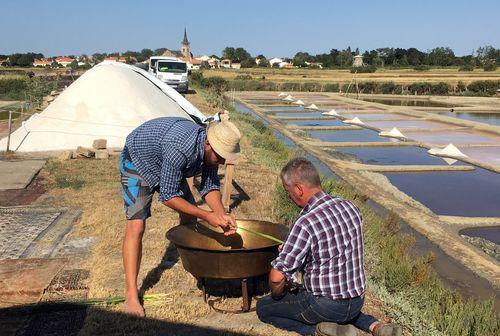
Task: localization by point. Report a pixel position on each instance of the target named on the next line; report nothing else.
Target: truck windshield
(176, 67)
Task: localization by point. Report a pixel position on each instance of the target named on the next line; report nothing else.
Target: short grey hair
(300, 170)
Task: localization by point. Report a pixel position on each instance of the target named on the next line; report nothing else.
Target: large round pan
(206, 253)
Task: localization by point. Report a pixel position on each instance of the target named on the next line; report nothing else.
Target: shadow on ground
(68, 318)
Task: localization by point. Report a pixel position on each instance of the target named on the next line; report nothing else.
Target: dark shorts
(136, 192)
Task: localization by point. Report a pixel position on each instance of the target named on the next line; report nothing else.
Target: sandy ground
(182, 311)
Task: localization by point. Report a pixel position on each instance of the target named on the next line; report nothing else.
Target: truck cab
(171, 71)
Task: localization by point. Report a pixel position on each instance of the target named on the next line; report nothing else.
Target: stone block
(102, 154)
(66, 155)
(84, 152)
(99, 144)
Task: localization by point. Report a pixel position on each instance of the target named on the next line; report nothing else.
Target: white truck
(171, 71)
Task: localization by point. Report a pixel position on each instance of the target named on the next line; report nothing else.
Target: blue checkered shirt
(167, 150)
(326, 245)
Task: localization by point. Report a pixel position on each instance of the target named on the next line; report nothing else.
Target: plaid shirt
(326, 244)
(167, 150)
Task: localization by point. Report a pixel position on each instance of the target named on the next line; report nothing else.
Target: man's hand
(225, 221)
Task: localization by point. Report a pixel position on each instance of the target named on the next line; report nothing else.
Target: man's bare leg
(132, 254)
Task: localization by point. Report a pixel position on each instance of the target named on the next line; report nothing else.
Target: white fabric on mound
(107, 102)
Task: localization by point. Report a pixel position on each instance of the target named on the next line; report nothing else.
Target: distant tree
(54, 65)
(74, 65)
(159, 51)
(25, 60)
(264, 63)
(215, 56)
(489, 65)
(301, 58)
(229, 53)
(242, 55)
(144, 55)
(204, 65)
(248, 63)
(441, 56)
(98, 57)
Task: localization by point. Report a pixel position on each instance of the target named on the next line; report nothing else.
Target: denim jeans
(301, 312)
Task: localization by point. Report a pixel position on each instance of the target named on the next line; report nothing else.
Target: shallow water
(488, 154)
(313, 122)
(469, 194)
(389, 124)
(455, 137)
(312, 114)
(408, 102)
(489, 233)
(283, 108)
(377, 116)
(387, 155)
(363, 135)
(487, 118)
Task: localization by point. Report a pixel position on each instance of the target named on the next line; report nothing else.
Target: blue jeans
(301, 312)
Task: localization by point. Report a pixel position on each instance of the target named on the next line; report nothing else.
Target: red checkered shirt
(326, 245)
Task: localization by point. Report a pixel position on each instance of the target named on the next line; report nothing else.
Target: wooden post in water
(10, 130)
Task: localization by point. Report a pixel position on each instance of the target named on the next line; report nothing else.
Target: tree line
(487, 57)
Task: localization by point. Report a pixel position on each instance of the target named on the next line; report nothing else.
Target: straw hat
(224, 137)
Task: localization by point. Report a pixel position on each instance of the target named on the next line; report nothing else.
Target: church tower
(185, 46)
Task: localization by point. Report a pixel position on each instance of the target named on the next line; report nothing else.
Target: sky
(272, 28)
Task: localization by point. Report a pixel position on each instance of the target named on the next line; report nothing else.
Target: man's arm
(211, 217)
(277, 283)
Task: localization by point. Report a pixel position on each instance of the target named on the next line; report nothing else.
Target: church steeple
(185, 40)
(185, 46)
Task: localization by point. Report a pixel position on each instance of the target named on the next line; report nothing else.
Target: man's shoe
(387, 330)
(335, 329)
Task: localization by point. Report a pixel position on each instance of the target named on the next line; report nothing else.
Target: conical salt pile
(299, 102)
(448, 151)
(355, 121)
(107, 102)
(282, 94)
(332, 112)
(393, 133)
(288, 98)
(312, 107)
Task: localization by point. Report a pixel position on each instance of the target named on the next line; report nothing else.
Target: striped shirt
(326, 245)
(167, 150)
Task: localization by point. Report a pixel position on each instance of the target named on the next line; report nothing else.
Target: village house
(43, 62)
(64, 61)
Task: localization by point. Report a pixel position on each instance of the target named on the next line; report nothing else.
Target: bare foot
(134, 308)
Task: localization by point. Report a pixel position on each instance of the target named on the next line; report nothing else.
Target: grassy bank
(408, 285)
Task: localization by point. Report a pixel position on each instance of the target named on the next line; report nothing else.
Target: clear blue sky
(272, 28)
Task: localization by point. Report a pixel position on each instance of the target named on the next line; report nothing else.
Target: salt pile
(299, 102)
(332, 112)
(312, 107)
(393, 133)
(355, 121)
(449, 151)
(106, 102)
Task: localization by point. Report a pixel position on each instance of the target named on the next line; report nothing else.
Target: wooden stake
(10, 130)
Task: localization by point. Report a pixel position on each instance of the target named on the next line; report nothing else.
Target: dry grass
(97, 194)
(403, 76)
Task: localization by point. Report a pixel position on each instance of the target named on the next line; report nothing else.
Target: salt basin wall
(106, 102)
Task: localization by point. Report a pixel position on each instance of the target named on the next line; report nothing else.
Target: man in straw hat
(158, 156)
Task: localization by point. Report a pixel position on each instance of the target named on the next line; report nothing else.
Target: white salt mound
(332, 112)
(448, 151)
(312, 107)
(282, 94)
(107, 102)
(299, 102)
(355, 121)
(393, 133)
